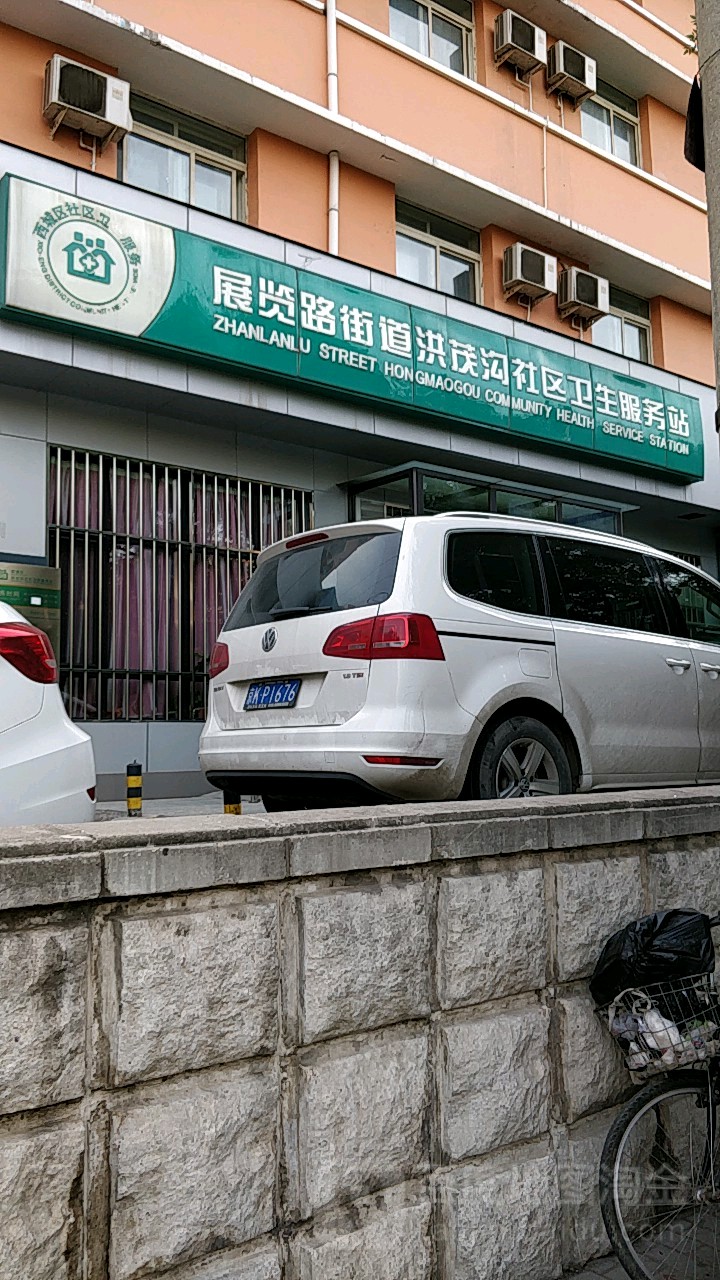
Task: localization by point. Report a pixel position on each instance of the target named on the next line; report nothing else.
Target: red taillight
(420, 762)
(28, 650)
(406, 635)
(219, 659)
(392, 635)
(91, 792)
(351, 640)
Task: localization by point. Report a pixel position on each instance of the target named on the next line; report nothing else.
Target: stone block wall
(355, 1046)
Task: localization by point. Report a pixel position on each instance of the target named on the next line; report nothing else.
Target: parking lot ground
(183, 807)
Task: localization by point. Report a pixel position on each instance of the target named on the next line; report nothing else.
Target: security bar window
(627, 328)
(610, 121)
(184, 159)
(443, 32)
(152, 558)
(437, 253)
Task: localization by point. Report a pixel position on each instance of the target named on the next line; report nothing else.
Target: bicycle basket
(666, 1024)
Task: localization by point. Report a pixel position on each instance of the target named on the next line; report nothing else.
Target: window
(184, 159)
(499, 569)
(440, 494)
(526, 506)
(696, 602)
(610, 122)
(338, 573)
(385, 500)
(605, 585)
(152, 558)
(437, 253)
(627, 328)
(443, 32)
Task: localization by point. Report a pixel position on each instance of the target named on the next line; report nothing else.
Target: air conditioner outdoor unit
(82, 98)
(571, 72)
(528, 272)
(583, 295)
(519, 42)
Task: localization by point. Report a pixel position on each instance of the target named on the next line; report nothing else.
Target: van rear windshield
(340, 573)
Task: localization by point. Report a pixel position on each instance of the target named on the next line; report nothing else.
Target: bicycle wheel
(660, 1180)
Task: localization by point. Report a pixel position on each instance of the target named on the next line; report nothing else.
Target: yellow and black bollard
(232, 802)
(134, 790)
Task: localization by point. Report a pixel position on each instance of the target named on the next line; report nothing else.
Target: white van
(481, 656)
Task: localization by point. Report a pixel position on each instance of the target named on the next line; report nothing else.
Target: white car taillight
(219, 659)
(28, 650)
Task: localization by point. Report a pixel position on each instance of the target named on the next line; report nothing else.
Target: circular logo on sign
(269, 640)
(92, 269)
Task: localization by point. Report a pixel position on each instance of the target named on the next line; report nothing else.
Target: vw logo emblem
(269, 640)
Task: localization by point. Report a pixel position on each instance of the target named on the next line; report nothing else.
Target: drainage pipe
(333, 106)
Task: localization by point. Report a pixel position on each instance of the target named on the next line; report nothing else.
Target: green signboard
(81, 264)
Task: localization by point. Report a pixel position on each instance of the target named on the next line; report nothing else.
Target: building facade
(299, 290)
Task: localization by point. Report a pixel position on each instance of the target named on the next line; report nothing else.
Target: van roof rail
(494, 515)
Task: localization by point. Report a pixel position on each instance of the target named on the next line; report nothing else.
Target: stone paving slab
(601, 1269)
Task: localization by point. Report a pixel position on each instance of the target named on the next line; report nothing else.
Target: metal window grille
(689, 558)
(152, 558)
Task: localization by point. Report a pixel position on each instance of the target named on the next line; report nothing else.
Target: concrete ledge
(47, 880)
(45, 865)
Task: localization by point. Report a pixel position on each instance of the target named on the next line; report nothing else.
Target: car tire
(521, 758)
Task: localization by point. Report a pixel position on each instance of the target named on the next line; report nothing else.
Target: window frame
(472, 258)
(467, 26)
(555, 589)
(680, 629)
(628, 317)
(195, 151)
(629, 118)
(538, 572)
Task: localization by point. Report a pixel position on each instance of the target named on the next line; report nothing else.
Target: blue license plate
(266, 695)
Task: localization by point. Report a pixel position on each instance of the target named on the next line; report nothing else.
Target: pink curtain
(139, 636)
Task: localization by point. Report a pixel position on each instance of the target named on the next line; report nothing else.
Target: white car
(436, 657)
(47, 767)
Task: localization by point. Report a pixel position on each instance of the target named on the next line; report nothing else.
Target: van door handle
(711, 670)
(678, 664)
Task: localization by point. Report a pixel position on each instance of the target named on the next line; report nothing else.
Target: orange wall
(21, 118)
(636, 26)
(676, 13)
(682, 340)
(663, 138)
(507, 150)
(367, 219)
(598, 194)
(287, 194)
(274, 39)
(376, 13)
(287, 189)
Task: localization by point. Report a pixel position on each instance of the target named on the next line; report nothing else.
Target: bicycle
(660, 1166)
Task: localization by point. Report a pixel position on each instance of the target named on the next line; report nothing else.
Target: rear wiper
(299, 611)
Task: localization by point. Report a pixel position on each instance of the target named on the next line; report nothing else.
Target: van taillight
(392, 635)
(219, 659)
(351, 640)
(28, 650)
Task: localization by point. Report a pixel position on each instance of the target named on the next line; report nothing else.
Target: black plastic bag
(658, 948)
(695, 128)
